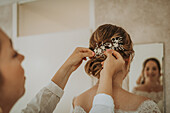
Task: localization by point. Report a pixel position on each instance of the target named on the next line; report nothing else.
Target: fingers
(110, 52)
(82, 49)
(85, 52)
(117, 54)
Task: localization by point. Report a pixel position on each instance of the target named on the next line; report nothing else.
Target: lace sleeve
(78, 109)
(149, 107)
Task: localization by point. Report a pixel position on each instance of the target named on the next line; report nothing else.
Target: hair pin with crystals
(116, 44)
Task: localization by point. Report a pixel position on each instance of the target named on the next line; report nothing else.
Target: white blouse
(45, 100)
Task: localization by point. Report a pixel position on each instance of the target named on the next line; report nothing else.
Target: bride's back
(123, 100)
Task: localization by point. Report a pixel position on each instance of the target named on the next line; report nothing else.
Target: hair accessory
(116, 44)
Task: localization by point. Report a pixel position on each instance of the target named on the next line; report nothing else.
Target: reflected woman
(109, 36)
(149, 84)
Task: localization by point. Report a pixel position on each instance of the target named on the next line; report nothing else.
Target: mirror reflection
(146, 75)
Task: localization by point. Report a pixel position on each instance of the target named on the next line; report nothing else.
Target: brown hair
(104, 33)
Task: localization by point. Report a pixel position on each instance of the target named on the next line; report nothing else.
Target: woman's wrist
(105, 85)
(105, 82)
(108, 73)
(69, 65)
(62, 75)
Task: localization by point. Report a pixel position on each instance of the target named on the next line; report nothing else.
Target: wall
(147, 21)
(53, 16)
(6, 18)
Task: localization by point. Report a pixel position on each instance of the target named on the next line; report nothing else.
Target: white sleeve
(45, 100)
(102, 103)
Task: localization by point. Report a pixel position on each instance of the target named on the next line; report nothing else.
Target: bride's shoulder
(137, 100)
(144, 104)
(85, 99)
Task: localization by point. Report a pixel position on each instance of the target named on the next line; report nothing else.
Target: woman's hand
(72, 63)
(78, 56)
(113, 64)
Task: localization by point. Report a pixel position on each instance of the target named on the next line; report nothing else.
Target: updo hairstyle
(105, 33)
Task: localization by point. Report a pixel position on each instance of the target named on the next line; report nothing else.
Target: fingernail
(93, 53)
(108, 49)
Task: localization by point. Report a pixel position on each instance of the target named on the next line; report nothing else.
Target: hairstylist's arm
(103, 102)
(71, 64)
(47, 98)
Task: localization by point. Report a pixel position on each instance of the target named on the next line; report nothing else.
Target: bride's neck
(148, 82)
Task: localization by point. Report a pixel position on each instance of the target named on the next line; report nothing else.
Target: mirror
(150, 84)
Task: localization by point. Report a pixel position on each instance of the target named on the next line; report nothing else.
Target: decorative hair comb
(116, 44)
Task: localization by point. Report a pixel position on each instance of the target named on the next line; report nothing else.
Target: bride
(104, 38)
(149, 84)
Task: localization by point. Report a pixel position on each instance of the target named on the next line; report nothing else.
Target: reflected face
(151, 70)
(12, 73)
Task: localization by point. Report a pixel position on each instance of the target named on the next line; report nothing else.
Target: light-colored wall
(49, 16)
(147, 21)
(6, 18)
